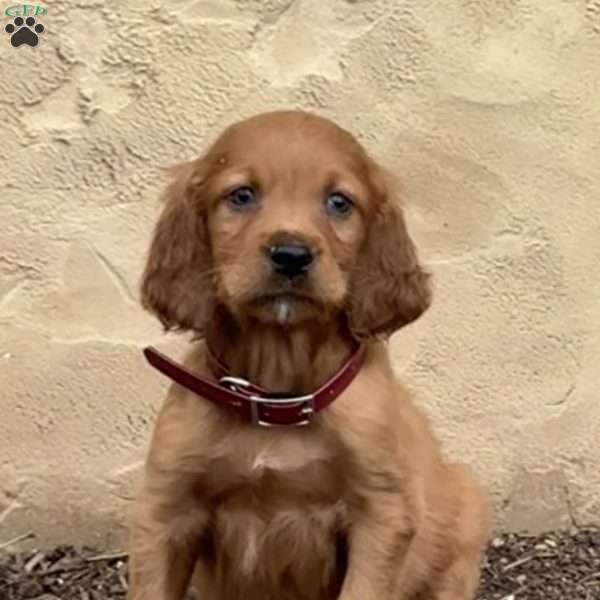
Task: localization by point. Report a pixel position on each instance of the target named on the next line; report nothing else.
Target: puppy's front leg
(164, 546)
(379, 537)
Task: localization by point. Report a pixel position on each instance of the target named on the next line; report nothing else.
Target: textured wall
(488, 109)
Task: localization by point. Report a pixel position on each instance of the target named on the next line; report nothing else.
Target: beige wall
(488, 109)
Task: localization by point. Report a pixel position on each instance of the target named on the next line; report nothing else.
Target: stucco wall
(488, 109)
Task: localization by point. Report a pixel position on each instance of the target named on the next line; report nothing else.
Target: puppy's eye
(242, 197)
(338, 205)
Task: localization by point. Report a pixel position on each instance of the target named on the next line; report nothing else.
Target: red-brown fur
(360, 505)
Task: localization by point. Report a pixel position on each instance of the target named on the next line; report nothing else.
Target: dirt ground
(555, 566)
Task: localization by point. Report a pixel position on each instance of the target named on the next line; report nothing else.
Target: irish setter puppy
(283, 249)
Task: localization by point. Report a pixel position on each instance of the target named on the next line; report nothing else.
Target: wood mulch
(555, 566)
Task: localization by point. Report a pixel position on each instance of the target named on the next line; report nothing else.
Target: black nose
(291, 260)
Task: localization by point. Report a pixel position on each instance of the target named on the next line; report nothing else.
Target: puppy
(287, 462)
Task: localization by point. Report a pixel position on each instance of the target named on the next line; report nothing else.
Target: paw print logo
(24, 32)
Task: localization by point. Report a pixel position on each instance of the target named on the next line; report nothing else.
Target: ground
(554, 566)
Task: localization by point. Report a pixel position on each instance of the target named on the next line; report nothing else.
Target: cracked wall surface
(488, 111)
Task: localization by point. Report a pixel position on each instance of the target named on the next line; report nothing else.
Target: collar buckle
(307, 409)
(238, 384)
(235, 384)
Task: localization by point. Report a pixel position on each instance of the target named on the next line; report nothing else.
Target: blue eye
(242, 197)
(338, 205)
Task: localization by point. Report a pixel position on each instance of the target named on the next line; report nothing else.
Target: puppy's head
(284, 220)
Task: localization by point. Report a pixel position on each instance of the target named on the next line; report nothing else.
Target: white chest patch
(278, 460)
(266, 460)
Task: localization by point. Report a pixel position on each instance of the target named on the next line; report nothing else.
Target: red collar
(252, 403)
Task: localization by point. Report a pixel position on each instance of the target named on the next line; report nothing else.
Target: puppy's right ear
(177, 282)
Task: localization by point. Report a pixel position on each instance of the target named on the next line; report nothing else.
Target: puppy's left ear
(390, 289)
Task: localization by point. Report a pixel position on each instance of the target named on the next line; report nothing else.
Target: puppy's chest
(275, 470)
(282, 508)
(287, 552)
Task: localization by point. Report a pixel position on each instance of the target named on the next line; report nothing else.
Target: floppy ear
(390, 289)
(177, 282)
